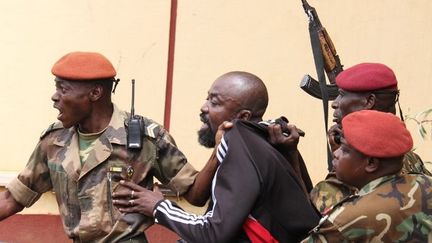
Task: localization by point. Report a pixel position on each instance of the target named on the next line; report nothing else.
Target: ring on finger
(132, 193)
(131, 202)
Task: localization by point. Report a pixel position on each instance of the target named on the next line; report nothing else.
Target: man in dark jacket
(255, 193)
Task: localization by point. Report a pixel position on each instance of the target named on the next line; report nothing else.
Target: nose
(204, 107)
(336, 154)
(335, 103)
(55, 97)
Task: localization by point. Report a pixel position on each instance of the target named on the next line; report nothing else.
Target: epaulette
(54, 126)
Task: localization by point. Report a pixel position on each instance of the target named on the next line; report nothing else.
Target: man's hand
(279, 140)
(334, 134)
(137, 199)
(8, 205)
(226, 125)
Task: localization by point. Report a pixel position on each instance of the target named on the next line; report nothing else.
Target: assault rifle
(325, 57)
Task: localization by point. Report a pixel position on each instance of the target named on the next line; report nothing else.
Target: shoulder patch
(152, 129)
(54, 126)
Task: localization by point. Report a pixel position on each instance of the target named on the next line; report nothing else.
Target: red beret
(377, 134)
(366, 77)
(80, 66)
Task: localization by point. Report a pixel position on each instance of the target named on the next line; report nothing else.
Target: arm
(199, 192)
(8, 205)
(222, 222)
(287, 145)
(229, 210)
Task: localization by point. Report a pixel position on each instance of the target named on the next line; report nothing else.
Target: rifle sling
(319, 66)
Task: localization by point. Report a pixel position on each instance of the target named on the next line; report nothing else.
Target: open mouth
(60, 115)
(205, 122)
(204, 126)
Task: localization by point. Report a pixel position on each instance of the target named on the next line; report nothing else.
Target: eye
(213, 101)
(61, 88)
(345, 149)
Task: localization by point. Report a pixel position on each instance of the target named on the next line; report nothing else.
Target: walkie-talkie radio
(135, 126)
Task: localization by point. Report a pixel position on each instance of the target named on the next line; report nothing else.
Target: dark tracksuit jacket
(254, 179)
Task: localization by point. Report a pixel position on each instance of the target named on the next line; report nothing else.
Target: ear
(370, 101)
(372, 165)
(244, 115)
(96, 93)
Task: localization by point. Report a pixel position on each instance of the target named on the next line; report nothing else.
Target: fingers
(281, 139)
(125, 193)
(226, 125)
(334, 129)
(275, 133)
(293, 131)
(124, 202)
(131, 185)
(157, 191)
(130, 190)
(126, 206)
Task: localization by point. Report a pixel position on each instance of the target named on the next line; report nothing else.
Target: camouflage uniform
(331, 191)
(395, 208)
(83, 193)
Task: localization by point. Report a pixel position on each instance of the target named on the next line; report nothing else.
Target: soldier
(256, 193)
(366, 86)
(83, 157)
(391, 206)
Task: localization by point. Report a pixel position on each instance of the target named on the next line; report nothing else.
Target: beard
(206, 136)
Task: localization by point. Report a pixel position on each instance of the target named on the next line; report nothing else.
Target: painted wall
(269, 39)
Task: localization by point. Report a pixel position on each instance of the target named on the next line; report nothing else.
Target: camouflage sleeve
(329, 192)
(173, 167)
(33, 180)
(413, 163)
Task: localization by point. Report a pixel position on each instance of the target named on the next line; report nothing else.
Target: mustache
(204, 118)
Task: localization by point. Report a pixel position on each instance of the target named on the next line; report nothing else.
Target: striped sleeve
(223, 221)
(222, 150)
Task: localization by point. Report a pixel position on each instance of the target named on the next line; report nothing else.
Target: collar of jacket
(114, 134)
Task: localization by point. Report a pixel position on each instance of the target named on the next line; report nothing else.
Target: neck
(255, 119)
(98, 120)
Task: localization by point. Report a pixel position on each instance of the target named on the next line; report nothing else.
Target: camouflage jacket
(331, 191)
(394, 208)
(83, 193)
